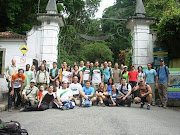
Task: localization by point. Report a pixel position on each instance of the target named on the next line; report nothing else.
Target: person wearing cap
(144, 94)
(150, 76)
(162, 82)
(29, 94)
(116, 75)
(125, 73)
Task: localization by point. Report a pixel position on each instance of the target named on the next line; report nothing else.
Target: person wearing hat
(29, 94)
(144, 94)
(162, 82)
(125, 73)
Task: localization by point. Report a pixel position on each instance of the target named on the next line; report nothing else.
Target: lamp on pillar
(139, 25)
(51, 23)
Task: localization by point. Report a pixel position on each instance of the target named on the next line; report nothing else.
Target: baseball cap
(141, 80)
(161, 60)
(33, 81)
(125, 66)
(132, 66)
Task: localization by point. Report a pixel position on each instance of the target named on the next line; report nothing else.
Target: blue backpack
(69, 104)
(87, 102)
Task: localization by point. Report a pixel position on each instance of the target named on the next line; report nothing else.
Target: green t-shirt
(29, 77)
(126, 76)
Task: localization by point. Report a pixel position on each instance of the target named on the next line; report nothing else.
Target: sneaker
(9, 109)
(153, 104)
(164, 107)
(129, 105)
(142, 105)
(160, 105)
(111, 105)
(148, 107)
(21, 110)
(99, 104)
(103, 105)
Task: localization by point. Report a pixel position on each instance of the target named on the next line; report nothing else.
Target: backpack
(44, 76)
(55, 73)
(164, 69)
(69, 104)
(11, 128)
(87, 103)
(122, 87)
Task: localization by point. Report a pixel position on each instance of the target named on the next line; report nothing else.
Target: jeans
(16, 97)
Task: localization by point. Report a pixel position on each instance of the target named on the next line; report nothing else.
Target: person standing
(150, 76)
(125, 74)
(16, 88)
(77, 73)
(53, 74)
(116, 75)
(141, 74)
(86, 73)
(162, 82)
(29, 76)
(81, 65)
(33, 70)
(97, 75)
(133, 78)
(108, 73)
(45, 65)
(10, 70)
(61, 71)
(42, 77)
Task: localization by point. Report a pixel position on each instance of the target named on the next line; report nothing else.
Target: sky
(104, 4)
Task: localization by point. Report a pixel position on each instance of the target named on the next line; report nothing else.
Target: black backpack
(11, 128)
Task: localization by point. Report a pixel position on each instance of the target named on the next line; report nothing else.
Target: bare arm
(102, 78)
(169, 77)
(149, 91)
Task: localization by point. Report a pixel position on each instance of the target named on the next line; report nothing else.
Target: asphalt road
(99, 120)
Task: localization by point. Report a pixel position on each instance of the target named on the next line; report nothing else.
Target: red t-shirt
(133, 76)
(39, 94)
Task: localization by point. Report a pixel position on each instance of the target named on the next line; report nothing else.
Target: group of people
(87, 85)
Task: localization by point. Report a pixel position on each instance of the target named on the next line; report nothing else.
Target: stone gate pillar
(140, 32)
(51, 23)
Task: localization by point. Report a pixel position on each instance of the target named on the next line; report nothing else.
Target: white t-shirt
(80, 68)
(66, 76)
(64, 97)
(45, 92)
(124, 88)
(75, 88)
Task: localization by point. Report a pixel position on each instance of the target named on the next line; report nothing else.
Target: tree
(97, 51)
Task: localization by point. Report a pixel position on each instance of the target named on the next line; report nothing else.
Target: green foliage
(97, 51)
(167, 14)
(121, 38)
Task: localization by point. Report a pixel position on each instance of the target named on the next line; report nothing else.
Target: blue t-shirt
(88, 91)
(150, 74)
(109, 88)
(114, 95)
(107, 74)
(53, 72)
(163, 75)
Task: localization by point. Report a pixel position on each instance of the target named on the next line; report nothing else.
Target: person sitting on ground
(126, 89)
(29, 94)
(101, 94)
(57, 85)
(46, 99)
(64, 97)
(109, 84)
(88, 93)
(39, 94)
(115, 97)
(76, 87)
(145, 94)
